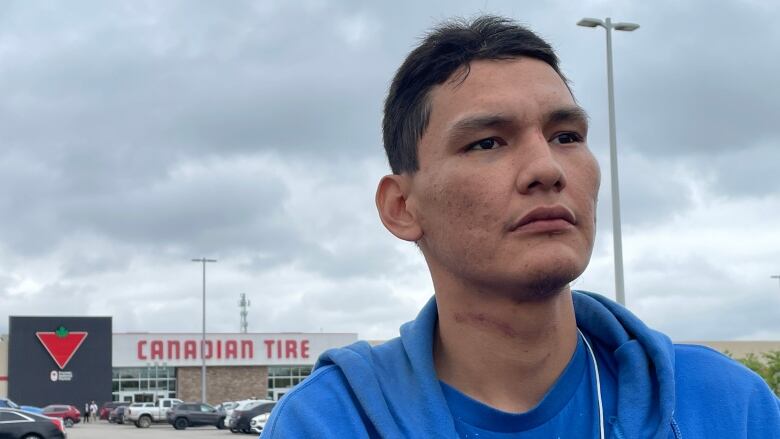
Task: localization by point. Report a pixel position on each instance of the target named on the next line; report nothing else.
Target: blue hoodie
(663, 390)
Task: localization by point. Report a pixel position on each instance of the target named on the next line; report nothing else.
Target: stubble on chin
(541, 284)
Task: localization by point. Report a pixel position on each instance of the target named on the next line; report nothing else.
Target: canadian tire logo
(61, 344)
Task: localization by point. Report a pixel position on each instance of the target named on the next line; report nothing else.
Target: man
(493, 180)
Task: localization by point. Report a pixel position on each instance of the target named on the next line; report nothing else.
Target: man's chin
(543, 282)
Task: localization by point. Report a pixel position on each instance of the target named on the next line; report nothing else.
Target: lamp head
(590, 22)
(628, 27)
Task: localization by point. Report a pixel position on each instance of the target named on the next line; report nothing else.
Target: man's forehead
(487, 72)
(502, 86)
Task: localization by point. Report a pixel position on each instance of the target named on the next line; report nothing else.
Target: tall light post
(776, 276)
(203, 334)
(617, 238)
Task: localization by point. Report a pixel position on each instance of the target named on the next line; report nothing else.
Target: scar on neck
(484, 321)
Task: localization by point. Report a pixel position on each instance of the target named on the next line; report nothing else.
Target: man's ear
(391, 196)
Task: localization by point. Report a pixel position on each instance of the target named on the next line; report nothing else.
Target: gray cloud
(137, 135)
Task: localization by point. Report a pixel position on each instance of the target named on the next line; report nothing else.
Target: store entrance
(139, 384)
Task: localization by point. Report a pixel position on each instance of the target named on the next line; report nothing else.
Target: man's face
(505, 194)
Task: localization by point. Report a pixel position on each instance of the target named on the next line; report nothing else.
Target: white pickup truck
(143, 414)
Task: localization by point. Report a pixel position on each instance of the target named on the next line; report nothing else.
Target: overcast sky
(135, 136)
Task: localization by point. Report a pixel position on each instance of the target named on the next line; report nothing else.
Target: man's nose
(538, 167)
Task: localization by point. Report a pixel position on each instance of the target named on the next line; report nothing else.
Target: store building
(238, 366)
(3, 366)
(65, 360)
(90, 362)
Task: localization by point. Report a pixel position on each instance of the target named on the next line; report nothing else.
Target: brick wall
(223, 383)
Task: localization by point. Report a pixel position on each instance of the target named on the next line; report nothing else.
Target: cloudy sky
(135, 136)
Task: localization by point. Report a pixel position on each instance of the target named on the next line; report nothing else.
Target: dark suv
(194, 414)
(243, 418)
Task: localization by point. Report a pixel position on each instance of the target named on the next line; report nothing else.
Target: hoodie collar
(384, 377)
(644, 359)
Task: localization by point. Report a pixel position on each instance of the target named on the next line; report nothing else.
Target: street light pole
(203, 334)
(617, 236)
(776, 276)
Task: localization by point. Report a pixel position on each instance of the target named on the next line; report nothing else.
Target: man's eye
(490, 143)
(567, 138)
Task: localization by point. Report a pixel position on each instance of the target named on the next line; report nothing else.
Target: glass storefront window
(128, 385)
(139, 384)
(282, 378)
(129, 373)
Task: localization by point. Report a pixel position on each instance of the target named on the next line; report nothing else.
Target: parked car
(143, 414)
(227, 406)
(257, 424)
(69, 414)
(19, 424)
(31, 409)
(7, 403)
(106, 408)
(241, 405)
(243, 418)
(195, 414)
(117, 415)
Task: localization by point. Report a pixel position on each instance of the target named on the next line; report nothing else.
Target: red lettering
(157, 350)
(219, 349)
(304, 348)
(173, 346)
(290, 349)
(268, 347)
(231, 349)
(208, 349)
(190, 350)
(247, 349)
(140, 348)
(278, 349)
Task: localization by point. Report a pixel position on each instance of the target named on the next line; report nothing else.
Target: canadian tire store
(73, 360)
(238, 366)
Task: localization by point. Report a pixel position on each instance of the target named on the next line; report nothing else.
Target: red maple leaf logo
(61, 344)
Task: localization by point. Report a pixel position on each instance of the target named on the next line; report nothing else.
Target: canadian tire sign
(59, 360)
(61, 344)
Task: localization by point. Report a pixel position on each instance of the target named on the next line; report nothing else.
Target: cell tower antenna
(243, 304)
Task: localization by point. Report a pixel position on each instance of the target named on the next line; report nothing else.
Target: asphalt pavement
(104, 430)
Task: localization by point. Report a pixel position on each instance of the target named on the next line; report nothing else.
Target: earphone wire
(598, 384)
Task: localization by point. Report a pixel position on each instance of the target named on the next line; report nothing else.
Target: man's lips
(544, 218)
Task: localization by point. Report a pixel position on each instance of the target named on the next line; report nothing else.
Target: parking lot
(103, 429)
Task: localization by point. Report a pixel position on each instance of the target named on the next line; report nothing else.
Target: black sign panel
(59, 360)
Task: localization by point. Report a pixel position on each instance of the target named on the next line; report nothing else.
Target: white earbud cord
(598, 384)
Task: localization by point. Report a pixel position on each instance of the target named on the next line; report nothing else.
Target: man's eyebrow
(574, 114)
(479, 122)
(568, 114)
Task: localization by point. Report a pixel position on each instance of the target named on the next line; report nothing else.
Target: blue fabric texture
(660, 390)
(569, 406)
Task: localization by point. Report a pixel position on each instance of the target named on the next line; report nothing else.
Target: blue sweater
(662, 390)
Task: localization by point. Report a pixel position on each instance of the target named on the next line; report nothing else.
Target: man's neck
(504, 353)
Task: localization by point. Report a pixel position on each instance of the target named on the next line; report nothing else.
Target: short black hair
(451, 45)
